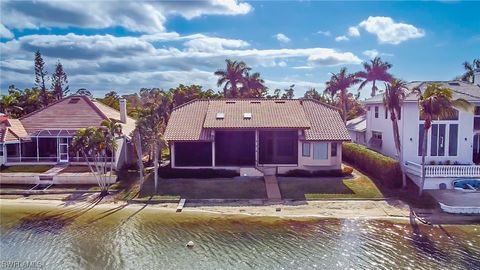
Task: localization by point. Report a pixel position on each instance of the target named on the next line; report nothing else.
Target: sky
(126, 45)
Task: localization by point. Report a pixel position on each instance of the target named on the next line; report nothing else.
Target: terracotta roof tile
(11, 130)
(320, 122)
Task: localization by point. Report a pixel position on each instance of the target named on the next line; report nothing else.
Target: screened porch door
(63, 149)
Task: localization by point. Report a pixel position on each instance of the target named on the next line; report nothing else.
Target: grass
(76, 169)
(158, 198)
(26, 168)
(361, 188)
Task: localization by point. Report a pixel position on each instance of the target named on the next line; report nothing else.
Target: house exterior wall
(358, 137)
(409, 134)
(304, 162)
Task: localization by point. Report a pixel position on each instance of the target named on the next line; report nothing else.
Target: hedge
(169, 172)
(325, 173)
(378, 166)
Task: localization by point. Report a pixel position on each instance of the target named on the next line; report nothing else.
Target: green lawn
(360, 188)
(26, 168)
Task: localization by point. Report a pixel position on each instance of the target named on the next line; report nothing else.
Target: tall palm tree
(253, 85)
(232, 77)
(338, 85)
(469, 75)
(436, 102)
(392, 101)
(374, 71)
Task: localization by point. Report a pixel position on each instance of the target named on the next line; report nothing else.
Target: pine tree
(40, 77)
(59, 82)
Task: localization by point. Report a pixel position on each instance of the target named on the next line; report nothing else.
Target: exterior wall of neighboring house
(358, 137)
(409, 126)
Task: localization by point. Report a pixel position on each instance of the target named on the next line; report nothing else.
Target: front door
(63, 149)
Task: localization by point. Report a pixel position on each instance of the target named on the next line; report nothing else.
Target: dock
(181, 204)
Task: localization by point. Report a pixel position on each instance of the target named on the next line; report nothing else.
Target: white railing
(444, 170)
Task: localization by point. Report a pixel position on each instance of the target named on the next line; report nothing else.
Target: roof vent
(220, 116)
(230, 102)
(454, 83)
(74, 100)
(255, 102)
(247, 116)
(280, 101)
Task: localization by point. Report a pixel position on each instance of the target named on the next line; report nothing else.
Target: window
(333, 150)
(453, 140)
(1, 150)
(437, 147)
(476, 118)
(377, 135)
(306, 149)
(320, 151)
(376, 111)
(420, 139)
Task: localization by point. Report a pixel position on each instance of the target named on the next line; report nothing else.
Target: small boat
(460, 209)
(467, 185)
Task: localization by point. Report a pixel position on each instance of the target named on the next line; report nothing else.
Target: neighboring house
(44, 136)
(453, 147)
(357, 128)
(254, 135)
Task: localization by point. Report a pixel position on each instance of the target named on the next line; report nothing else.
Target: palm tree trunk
(138, 148)
(344, 105)
(396, 135)
(374, 89)
(424, 153)
(155, 165)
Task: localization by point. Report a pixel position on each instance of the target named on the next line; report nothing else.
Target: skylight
(247, 115)
(74, 100)
(220, 116)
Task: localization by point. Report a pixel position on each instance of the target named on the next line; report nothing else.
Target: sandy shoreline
(383, 210)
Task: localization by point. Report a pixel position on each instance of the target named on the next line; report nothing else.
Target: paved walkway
(271, 185)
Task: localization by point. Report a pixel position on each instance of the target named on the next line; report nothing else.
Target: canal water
(82, 237)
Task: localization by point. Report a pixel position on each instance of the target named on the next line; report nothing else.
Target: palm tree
(338, 85)
(232, 77)
(8, 103)
(253, 86)
(392, 101)
(93, 144)
(469, 75)
(436, 102)
(374, 71)
(113, 129)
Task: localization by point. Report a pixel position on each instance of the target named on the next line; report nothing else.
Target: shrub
(381, 167)
(347, 170)
(169, 172)
(306, 173)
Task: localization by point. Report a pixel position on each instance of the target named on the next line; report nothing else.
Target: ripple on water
(131, 240)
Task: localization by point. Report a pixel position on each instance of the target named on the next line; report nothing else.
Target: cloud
(325, 33)
(282, 38)
(353, 32)
(390, 32)
(4, 32)
(111, 62)
(371, 53)
(341, 38)
(148, 17)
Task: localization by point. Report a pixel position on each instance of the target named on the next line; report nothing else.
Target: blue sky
(124, 46)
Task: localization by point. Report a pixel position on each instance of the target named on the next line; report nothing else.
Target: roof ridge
(322, 103)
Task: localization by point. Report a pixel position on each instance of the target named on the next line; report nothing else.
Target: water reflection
(126, 238)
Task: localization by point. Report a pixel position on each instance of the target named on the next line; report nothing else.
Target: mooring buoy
(190, 244)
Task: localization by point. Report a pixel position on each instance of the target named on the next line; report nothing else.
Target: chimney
(123, 110)
(476, 76)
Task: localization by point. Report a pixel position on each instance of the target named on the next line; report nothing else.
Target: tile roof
(193, 120)
(72, 113)
(358, 124)
(464, 90)
(11, 130)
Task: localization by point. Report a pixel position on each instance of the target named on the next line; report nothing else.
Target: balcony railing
(444, 170)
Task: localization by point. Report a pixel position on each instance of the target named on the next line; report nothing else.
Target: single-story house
(251, 135)
(44, 136)
(357, 128)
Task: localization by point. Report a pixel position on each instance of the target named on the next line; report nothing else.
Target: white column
(213, 148)
(172, 154)
(38, 153)
(20, 149)
(256, 147)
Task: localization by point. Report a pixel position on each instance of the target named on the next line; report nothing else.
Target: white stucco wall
(357, 137)
(408, 127)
